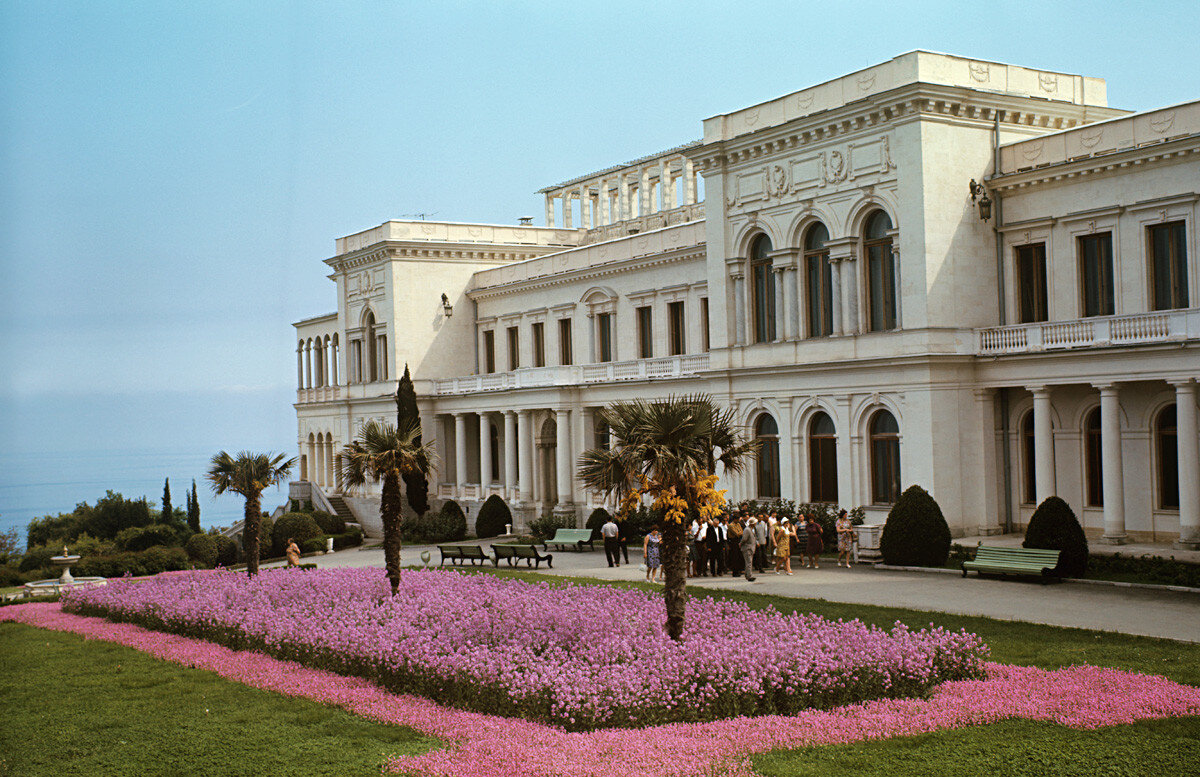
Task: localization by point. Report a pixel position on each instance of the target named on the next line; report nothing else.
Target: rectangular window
(764, 302)
(514, 347)
(704, 341)
(1096, 269)
(489, 351)
(383, 359)
(1168, 265)
(820, 295)
(539, 345)
(565, 356)
(645, 333)
(604, 336)
(1031, 283)
(356, 365)
(677, 333)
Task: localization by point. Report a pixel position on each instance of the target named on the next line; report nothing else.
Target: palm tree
(383, 452)
(249, 474)
(668, 449)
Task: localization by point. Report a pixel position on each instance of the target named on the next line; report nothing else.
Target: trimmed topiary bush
(330, 524)
(450, 525)
(1055, 527)
(202, 548)
(916, 533)
(493, 516)
(598, 518)
(299, 526)
(352, 537)
(227, 550)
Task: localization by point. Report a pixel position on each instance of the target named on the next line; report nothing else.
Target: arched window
(1093, 475)
(766, 432)
(372, 373)
(334, 360)
(1166, 443)
(819, 281)
(1028, 461)
(762, 281)
(881, 273)
(822, 459)
(885, 458)
(318, 363)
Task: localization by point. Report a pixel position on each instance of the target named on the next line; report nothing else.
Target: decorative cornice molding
(589, 273)
(1124, 159)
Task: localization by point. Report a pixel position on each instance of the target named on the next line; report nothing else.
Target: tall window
(881, 272)
(645, 332)
(604, 336)
(885, 458)
(762, 281)
(372, 348)
(565, 356)
(494, 442)
(539, 344)
(1031, 283)
(819, 279)
(1166, 441)
(356, 362)
(1028, 461)
(1094, 461)
(705, 343)
(381, 350)
(822, 459)
(514, 347)
(1096, 269)
(677, 335)
(766, 433)
(1168, 265)
(489, 351)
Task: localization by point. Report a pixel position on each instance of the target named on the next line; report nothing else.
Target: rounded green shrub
(351, 538)
(299, 526)
(202, 548)
(916, 533)
(598, 518)
(1055, 527)
(450, 524)
(330, 524)
(137, 538)
(493, 516)
(227, 550)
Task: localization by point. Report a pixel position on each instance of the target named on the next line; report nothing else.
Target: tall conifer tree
(166, 508)
(194, 510)
(416, 482)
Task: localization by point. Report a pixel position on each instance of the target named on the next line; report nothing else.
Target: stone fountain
(66, 580)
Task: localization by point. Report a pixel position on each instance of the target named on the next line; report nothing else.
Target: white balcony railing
(318, 394)
(1163, 327)
(605, 372)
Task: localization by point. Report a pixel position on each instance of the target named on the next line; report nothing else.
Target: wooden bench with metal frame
(456, 554)
(514, 553)
(566, 538)
(1013, 561)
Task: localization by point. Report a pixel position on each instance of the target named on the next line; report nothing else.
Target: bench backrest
(1047, 558)
(572, 535)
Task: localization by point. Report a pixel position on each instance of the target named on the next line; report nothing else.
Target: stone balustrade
(604, 372)
(1139, 329)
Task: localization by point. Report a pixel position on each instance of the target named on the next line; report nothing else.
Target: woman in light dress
(784, 534)
(293, 553)
(650, 551)
(845, 535)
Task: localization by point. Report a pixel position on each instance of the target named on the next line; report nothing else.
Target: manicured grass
(1013, 748)
(1027, 644)
(93, 708)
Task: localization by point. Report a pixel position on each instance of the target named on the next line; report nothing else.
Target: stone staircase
(343, 511)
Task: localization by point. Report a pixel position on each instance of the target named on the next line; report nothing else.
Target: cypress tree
(194, 510)
(166, 508)
(416, 484)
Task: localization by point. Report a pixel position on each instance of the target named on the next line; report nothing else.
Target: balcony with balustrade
(665, 367)
(1167, 326)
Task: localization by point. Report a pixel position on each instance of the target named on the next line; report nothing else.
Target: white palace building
(966, 275)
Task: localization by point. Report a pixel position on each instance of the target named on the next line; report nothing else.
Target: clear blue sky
(172, 175)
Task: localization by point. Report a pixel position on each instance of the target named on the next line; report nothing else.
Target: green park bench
(566, 538)
(1013, 561)
(456, 554)
(514, 553)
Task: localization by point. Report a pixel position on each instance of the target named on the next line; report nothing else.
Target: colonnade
(317, 361)
(625, 194)
(318, 462)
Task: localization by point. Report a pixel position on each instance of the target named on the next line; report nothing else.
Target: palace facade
(971, 276)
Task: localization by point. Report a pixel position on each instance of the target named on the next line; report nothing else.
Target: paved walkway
(1170, 614)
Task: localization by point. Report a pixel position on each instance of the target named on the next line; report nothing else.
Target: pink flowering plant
(579, 657)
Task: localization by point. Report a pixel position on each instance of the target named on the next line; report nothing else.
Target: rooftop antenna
(420, 216)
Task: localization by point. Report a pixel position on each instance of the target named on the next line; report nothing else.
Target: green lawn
(93, 708)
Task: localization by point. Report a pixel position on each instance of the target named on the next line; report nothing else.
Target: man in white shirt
(612, 547)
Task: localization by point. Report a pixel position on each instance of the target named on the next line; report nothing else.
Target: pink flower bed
(577, 656)
(489, 746)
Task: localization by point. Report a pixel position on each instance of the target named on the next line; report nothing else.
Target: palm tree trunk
(674, 561)
(389, 511)
(250, 531)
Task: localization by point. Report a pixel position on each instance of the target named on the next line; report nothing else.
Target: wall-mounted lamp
(447, 308)
(978, 192)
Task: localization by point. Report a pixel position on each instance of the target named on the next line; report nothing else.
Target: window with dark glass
(766, 433)
(818, 281)
(494, 437)
(489, 351)
(1168, 265)
(762, 283)
(1093, 461)
(514, 346)
(565, 355)
(645, 332)
(604, 336)
(603, 435)
(1028, 461)
(372, 348)
(822, 459)
(539, 344)
(677, 333)
(885, 458)
(704, 341)
(1096, 269)
(881, 272)
(1166, 439)
(1031, 283)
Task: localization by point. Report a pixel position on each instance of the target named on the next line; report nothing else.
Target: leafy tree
(167, 510)
(666, 450)
(249, 474)
(112, 514)
(193, 510)
(416, 481)
(10, 546)
(383, 452)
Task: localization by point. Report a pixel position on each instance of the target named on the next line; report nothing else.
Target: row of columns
(610, 199)
(1112, 466)
(321, 462)
(317, 362)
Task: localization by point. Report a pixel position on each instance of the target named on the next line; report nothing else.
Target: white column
(592, 324)
(623, 197)
(319, 473)
(668, 184)
(510, 455)
(460, 452)
(645, 193)
(787, 451)
(987, 474)
(1043, 443)
(845, 458)
(835, 277)
(1188, 439)
(1113, 473)
(549, 210)
(689, 182)
(780, 303)
(485, 454)
(739, 308)
(308, 372)
(524, 457)
(605, 203)
(585, 208)
(562, 455)
(566, 207)
(585, 439)
(300, 367)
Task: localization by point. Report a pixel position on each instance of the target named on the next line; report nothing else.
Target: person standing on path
(845, 535)
(623, 538)
(760, 545)
(293, 553)
(783, 547)
(747, 545)
(612, 546)
(650, 550)
(815, 544)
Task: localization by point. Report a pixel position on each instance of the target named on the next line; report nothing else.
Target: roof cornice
(1152, 155)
